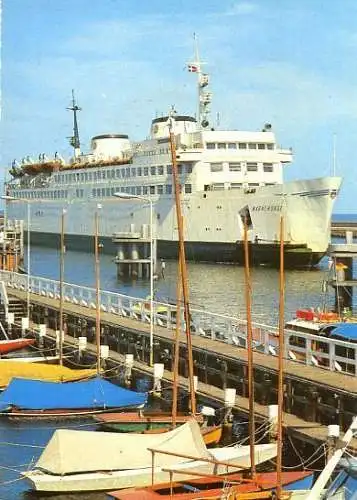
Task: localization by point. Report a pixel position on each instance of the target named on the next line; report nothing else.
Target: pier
(314, 396)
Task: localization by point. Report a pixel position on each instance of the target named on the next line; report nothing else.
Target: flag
(192, 68)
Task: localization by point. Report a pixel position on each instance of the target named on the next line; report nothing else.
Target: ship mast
(74, 140)
(204, 96)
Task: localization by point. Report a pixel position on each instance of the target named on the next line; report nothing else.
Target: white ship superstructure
(226, 177)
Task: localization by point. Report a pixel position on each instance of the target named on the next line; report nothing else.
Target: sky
(289, 63)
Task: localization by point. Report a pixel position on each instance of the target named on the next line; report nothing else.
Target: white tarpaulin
(73, 451)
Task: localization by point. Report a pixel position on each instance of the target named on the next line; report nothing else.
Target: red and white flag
(192, 68)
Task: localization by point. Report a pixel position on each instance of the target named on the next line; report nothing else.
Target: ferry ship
(227, 178)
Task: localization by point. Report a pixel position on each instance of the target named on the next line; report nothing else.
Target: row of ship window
(136, 190)
(240, 145)
(239, 166)
(121, 173)
(104, 192)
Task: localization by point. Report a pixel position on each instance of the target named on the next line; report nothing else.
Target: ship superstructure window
(252, 145)
(188, 188)
(252, 167)
(138, 189)
(152, 170)
(268, 167)
(160, 189)
(145, 189)
(179, 169)
(236, 185)
(216, 167)
(152, 189)
(222, 145)
(242, 145)
(261, 146)
(168, 189)
(160, 170)
(146, 170)
(270, 145)
(218, 186)
(139, 171)
(169, 169)
(232, 145)
(211, 145)
(235, 167)
(133, 172)
(188, 168)
(127, 172)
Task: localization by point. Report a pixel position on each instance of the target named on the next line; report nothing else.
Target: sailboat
(112, 461)
(146, 422)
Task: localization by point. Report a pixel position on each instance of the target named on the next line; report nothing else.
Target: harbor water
(216, 288)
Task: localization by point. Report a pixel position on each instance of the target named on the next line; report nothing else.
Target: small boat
(112, 461)
(210, 487)
(154, 422)
(38, 399)
(9, 345)
(10, 370)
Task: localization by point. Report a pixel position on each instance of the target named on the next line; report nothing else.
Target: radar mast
(204, 96)
(74, 139)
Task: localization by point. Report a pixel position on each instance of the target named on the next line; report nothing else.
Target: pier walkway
(314, 397)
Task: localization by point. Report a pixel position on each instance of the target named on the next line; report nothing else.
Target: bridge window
(188, 188)
(268, 167)
(252, 167)
(216, 167)
(235, 167)
(211, 145)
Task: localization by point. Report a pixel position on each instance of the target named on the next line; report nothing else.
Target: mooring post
(158, 374)
(333, 435)
(273, 421)
(41, 334)
(82, 345)
(128, 365)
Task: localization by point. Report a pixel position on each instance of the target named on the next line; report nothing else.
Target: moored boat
(114, 461)
(9, 345)
(225, 176)
(41, 399)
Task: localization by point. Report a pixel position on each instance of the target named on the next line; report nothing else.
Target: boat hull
(14, 345)
(111, 480)
(296, 256)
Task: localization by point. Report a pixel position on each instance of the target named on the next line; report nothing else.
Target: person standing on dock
(163, 267)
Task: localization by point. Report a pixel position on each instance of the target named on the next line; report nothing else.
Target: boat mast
(279, 458)
(204, 96)
(182, 259)
(248, 301)
(74, 140)
(97, 285)
(177, 345)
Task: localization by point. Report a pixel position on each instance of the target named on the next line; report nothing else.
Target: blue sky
(289, 63)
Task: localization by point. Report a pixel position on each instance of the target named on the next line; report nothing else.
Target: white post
(128, 365)
(151, 285)
(158, 374)
(28, 260)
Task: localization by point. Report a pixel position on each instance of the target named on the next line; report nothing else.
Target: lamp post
(12, 198)
(128, 196)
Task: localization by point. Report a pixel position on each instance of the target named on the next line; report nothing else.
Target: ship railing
(309, 349)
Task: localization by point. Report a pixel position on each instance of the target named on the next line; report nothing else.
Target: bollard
(82, 346)
(333, 435)
(229, 402)
(128, 365)
(10, 321)
(24, 326)
(104, 351)
(273, 421)
(41, 335)
(158, 374)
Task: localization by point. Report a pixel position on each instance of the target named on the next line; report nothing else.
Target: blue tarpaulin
(346, 330)
(95, 393)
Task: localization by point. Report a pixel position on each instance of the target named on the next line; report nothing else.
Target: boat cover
(40, 371)
(346, 330)
(74, 451)
(95, 393)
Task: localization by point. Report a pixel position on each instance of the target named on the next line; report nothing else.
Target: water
(216, 288)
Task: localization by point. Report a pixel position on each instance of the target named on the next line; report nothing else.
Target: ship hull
(213, 222)
(295, 256)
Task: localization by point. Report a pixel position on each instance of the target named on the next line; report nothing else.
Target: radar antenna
(74, 139)
(204, 96)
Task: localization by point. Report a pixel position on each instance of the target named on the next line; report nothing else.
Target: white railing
(332, 354)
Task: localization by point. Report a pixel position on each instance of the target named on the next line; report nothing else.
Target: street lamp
(12, 198)
(128, 196)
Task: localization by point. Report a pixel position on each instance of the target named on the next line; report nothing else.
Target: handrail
(299, 347)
